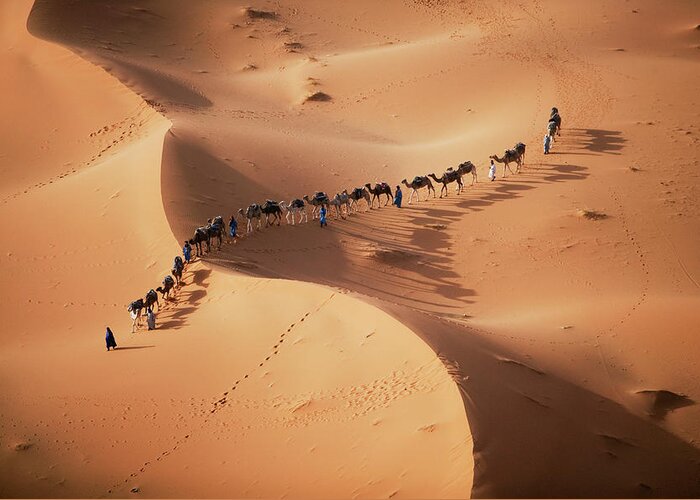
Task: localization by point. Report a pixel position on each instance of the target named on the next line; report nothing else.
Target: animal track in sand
(221, 401)
(135, 122)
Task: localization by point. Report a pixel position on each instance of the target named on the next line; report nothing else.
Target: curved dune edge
(328, 395)
(565, 334)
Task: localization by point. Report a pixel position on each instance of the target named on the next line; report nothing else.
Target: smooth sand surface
(531, 337)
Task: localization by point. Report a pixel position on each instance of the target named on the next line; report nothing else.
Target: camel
(419, 182)
(295, 207)
(201, 235)
(151, 298)
(319, 198)
(448, 177)
(468, 167)
(135, 309)
(168, 284)
(378, 190)
(556, 118)
(216, 229)
(338, 201)
(509, 156)
(520, 149)
(269, 208)
(254, 211)
(177, 269)
(552, 129)
(356, 195)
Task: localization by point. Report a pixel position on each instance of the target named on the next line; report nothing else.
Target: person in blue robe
(398, 197)
(109, 338)
(322, 216)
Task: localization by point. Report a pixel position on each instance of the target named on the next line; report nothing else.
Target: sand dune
(531, 337)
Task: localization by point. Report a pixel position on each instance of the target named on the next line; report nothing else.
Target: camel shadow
(185, 301)
(408, 251)
(596, 140)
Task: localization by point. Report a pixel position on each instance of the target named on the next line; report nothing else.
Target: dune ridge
(174, 400)
(560, 304)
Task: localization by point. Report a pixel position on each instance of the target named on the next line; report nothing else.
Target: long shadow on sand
(537, 435)
(595, 140)
(405, 256)
(187, 299)
(132, 347)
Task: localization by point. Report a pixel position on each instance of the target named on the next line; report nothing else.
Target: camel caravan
(343, 203)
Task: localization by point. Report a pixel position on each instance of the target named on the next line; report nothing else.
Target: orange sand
(499, 343)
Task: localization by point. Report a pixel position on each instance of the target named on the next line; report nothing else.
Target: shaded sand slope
(250, 387)
(563, 301)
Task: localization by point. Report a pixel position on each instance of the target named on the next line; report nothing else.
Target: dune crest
(500, 342)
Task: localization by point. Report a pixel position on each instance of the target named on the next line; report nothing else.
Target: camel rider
(398, 197)
(187, 252)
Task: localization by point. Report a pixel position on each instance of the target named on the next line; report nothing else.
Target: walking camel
(509, 156)
(339, 201)
(269, 208)
(520, 148)
(254, 211)
(449, 177)
(419, 182)
(151, 298)
(168, 285)
(295, 207)
(201, 235)
(319, 198)
(468, 167)
(356, 195)
(178, 267)
(216, 229)
(378, 190)
(556, 118)
(135, 309)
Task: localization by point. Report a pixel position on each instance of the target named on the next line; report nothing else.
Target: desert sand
(535, 336)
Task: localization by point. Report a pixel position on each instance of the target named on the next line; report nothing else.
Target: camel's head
(368, 185)
(306, 197)
(494, 157)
